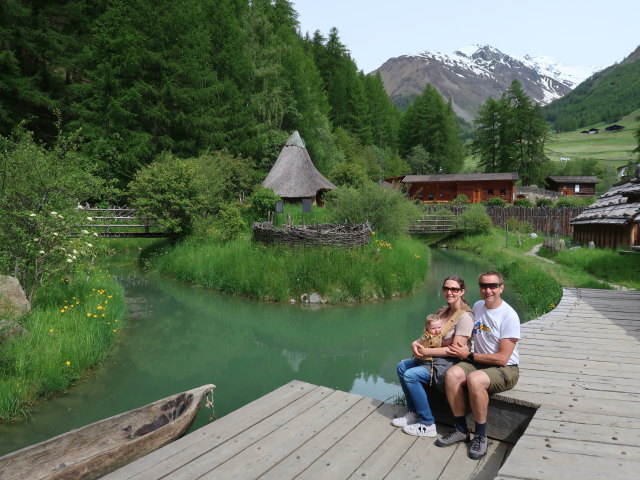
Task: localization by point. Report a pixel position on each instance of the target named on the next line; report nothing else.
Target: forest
(137, 79)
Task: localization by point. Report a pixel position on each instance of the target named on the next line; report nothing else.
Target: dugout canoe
(101, 447)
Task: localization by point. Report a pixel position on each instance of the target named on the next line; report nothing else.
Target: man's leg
(478, 386)
(454, 382)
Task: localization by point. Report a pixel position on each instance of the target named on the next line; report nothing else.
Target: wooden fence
(549, 220)
(118, 222)
(436, 223)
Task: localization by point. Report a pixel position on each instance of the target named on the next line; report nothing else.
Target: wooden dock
(579, 380)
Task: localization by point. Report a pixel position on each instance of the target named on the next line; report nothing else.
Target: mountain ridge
(471, 75)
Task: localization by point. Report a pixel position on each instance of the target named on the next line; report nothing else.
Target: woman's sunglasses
(451, 289)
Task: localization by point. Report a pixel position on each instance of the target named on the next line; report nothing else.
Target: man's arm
(501, 358)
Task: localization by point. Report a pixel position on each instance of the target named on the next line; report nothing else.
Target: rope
(209, 405)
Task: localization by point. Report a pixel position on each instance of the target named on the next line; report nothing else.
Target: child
(432, 337)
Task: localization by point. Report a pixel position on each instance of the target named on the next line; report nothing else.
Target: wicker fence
(542, 219)
(327, 234)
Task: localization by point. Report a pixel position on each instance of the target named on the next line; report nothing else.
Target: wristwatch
(470, 357)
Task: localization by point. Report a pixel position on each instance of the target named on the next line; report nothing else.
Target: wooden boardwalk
(579, 365)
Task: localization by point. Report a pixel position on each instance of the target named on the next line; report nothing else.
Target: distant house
(614, 128)
(294, 177)
(573, 184)
(593, 130)
(613, 220)
(442, 188)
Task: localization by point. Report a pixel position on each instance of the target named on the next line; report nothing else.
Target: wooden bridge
(436, 223)
(118, 222)
(575, 412)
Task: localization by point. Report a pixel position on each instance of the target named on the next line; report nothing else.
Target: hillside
(604, 97)
(614, 148)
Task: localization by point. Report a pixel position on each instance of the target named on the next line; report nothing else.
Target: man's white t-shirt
(492, 325)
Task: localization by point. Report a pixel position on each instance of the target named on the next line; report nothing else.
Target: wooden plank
(383, 459)
(354, 448)
(300, 459)
(460, 466)
(204, 464)
(206, 438)
(271, 449)
(527, 463)
(597, 433)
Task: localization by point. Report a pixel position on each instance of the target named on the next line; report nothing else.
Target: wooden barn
(613, 220)
(443, 188)
(581, 185)
(294, 177)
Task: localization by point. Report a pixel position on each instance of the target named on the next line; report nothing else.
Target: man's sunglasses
(492, 286)
(451, 289)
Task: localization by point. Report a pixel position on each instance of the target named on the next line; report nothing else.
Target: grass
(614, 148)
(538, 281)
(608, 265)
(382, 269)
(70, 329)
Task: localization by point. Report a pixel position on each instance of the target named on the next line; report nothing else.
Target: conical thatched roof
(294, 175)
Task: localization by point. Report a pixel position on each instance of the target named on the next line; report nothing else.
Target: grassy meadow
(613, 148)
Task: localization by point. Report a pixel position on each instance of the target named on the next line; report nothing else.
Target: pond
(180, 337)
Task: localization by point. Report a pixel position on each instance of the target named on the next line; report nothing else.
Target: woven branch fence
(326, 234)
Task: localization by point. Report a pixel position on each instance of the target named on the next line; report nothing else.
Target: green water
(180, 337)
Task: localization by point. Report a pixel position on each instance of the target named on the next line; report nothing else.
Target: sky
(595, 33)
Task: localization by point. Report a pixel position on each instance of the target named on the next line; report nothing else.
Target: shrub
(520, 226)
(495, 202)
(388, 211)
(569, 201)
(171, 190)
(475, 220)
(522, 202)
(347, 174)
(544, 202)
(460, 200)
(229, 222)
(261, 202)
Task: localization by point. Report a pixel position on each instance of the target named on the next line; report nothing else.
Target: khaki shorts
(500, 378)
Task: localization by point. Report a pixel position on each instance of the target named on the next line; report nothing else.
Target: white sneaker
(408, 419)
(420, 430)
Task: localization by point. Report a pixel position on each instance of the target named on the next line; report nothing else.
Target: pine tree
(511, 136)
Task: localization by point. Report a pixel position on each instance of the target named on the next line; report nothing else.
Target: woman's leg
(402, 367)
(413, 380)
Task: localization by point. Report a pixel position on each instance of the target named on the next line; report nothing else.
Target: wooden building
(478, 187)
(582, 185)
(613, 220)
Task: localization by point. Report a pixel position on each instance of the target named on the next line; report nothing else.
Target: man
(491, 368)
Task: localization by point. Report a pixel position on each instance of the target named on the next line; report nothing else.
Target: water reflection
(179, 337)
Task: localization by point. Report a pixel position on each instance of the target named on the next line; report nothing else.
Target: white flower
(55, 234)
(60, 216)
(95, 234)
(74, 257)
(89, 244)
(41, 252)
(54, 213)
(32, 215)
(85, 232)
(69, 260)
(90, 219)
(75, 252)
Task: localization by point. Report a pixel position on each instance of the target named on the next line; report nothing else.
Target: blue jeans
(413, 378)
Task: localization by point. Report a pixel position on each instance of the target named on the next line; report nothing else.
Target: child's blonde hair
(431, 319)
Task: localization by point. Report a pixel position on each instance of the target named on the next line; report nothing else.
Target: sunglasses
(451, 289)
(492, 286)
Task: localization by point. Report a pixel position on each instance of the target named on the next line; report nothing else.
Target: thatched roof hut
(293, 176)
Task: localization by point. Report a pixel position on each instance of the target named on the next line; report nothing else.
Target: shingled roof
(460, 177)
(573, 179)
(620, 205)
(294, 175)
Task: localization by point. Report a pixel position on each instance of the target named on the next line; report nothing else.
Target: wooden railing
(436, 223)
(117, 222)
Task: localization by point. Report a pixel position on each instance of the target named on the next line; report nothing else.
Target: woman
(414, 375)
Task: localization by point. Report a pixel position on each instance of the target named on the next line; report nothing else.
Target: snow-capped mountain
(472, 74)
